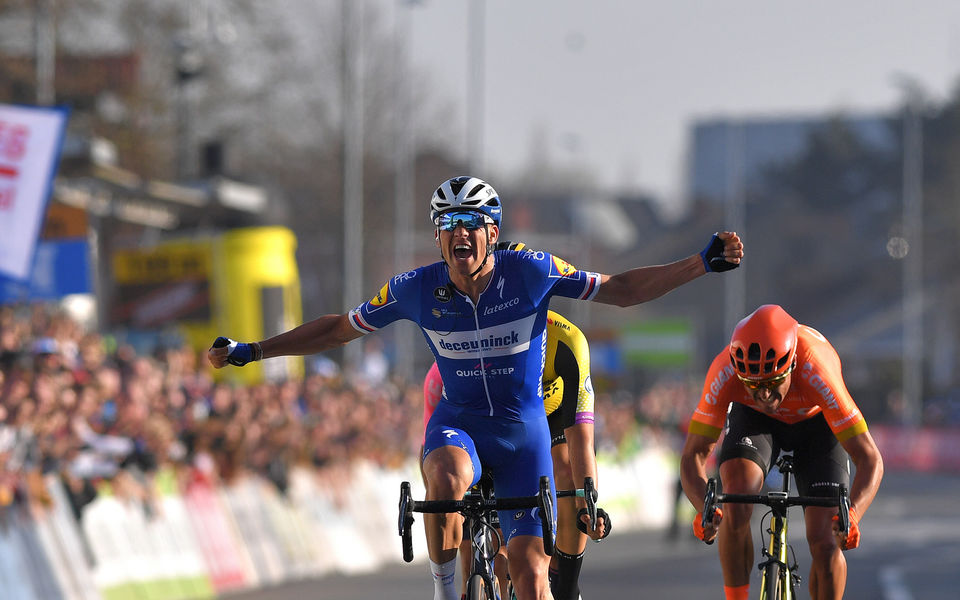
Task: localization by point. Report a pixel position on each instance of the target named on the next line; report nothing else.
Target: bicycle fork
(485, 550)
(776, 553)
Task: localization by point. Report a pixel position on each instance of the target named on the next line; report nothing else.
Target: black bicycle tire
(478, 589)
(772, 579)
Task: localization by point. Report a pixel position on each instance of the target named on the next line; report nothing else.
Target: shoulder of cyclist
(508, 245)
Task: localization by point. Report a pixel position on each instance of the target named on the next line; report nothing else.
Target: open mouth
(462, 251)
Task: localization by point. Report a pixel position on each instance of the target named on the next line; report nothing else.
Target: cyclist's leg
(501, 571)
(735, 539)
(519, 455)
(466, 557)
(448, 472)
(820, 466)
(828, 568)
(745, 457)
(528, 567)
(570, 542)
(450, 467)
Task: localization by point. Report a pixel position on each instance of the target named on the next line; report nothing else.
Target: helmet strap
(487, 255)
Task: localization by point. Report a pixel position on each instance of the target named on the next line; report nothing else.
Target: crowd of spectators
(77, 405)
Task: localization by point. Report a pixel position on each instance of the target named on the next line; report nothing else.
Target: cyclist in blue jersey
(483, 315)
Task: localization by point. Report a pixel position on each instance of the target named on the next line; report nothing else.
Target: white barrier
(204, 540)
(66, 546)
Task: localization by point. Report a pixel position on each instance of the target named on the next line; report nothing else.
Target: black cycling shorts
(556, 422)
(566, 365)
(820, 462)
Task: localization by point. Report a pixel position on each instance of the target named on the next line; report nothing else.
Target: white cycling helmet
(465, 193)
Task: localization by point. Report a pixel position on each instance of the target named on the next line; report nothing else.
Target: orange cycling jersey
(816, 386)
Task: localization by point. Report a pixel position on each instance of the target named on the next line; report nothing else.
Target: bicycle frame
(482, 532)
(778, 576)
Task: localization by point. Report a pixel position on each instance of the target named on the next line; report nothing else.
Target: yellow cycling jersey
(567, 360)
(566, 372)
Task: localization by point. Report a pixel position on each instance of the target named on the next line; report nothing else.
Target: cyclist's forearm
(865, 484)
(643, 284)
(693, 478)
(319, 335)
(693, 467)
(583, 460)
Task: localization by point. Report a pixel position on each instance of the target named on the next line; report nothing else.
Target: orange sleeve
(821, 373)
(719, 389)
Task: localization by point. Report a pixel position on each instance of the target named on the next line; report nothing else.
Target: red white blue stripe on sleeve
(358, 322)
(591, 287)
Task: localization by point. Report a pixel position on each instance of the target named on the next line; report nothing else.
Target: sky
(614, 86)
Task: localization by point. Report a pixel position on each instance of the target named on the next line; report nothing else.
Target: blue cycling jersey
(491, 355)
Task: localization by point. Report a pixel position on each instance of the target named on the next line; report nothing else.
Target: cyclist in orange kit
(779, 387)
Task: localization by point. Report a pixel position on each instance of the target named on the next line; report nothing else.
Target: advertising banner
(60, 267)
(30, 142)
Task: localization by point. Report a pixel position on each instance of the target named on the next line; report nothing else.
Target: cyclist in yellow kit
(568, 402)
(569, 411)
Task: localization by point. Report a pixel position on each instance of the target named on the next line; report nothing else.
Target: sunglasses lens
(769, 384)
(468, 220)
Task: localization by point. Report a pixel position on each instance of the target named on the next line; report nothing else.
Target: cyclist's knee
(529, 577)
(447, 478)
(737, 516)
(449, 483)
(525, 558)
(819, 528)
(822, 546)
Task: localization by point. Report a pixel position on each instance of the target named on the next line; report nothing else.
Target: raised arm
(647, 283)
(318, 335)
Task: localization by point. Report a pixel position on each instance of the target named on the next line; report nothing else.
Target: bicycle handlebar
(545, 500)
(774, 499)
(709, 505)
(476, 504)
(406, 521)
(590, 495)
(844, 510)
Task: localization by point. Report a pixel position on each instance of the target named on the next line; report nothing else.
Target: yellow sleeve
(560, 331)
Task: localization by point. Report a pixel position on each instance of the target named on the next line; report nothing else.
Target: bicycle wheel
(772, 582)
(478, 589)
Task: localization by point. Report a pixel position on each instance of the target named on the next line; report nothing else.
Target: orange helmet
(764, 343)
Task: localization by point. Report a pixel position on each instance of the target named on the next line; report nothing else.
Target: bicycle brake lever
(709, 506)
(590, 495)
(844, 506)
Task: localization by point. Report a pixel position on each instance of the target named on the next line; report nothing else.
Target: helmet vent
(457, 184)
(753, 352)
(475, 189)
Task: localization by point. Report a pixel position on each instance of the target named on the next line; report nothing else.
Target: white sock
(444, 580)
